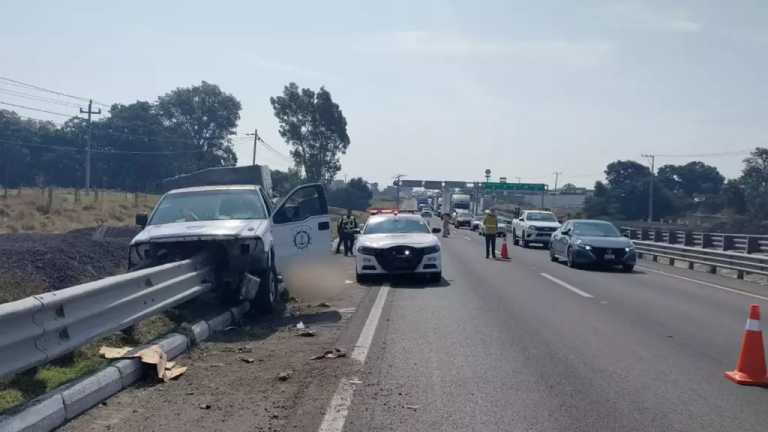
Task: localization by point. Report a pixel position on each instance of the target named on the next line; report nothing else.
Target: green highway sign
(533, 187)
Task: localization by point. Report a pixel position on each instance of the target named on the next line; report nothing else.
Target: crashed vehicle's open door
(301, 227)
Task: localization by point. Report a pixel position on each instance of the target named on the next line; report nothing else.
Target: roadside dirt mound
(33, 263)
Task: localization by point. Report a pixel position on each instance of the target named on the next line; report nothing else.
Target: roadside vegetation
(689, 193)
(59, 210)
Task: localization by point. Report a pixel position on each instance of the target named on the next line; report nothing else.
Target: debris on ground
(330, 354)
(355, 381)
(300, 325)
(248, 360)
(413, 407)
(240, 350)
(114, 353)
(205, 406)
(323, 305)
(306, 333)
(283, 376)
(152, 355)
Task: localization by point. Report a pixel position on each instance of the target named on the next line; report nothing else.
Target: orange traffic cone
(504, 250)
(750, 369)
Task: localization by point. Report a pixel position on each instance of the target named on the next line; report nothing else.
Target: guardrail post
(688, 238)
(753, 245)
(672, 237)
(728, 242)
(706, 240)
(645, 234)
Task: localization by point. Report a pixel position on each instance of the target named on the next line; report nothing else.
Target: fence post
(672, 237)
(5, 192)
(706, 240)
(49, 204)
(77, 195)
(753, 245)
(95, 195)
(135, 199)
(728, 242)
(687, 238)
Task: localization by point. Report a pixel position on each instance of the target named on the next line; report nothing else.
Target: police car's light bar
(375, 211)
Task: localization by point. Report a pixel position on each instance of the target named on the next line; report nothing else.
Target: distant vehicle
(460, 202)
(394, 244)
(248, 240)
(585, 242)
(534, 226)
(462, 218)
(476, 222)
(427, 216)
(502, 227)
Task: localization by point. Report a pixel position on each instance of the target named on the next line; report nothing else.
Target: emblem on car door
(302, 239)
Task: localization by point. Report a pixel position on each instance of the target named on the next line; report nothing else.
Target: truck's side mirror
(141, 219)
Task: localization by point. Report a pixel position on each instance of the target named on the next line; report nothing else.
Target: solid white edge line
(360, 351)
(700, 282)
(336, 413)
(567, 286)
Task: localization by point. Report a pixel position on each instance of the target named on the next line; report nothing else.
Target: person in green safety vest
(491, 226)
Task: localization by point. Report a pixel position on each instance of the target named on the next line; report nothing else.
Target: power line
(728, 153)
(37, 109)
(36, 87)
(102, 151)
(37, 98)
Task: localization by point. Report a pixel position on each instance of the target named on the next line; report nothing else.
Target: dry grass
(34, 210)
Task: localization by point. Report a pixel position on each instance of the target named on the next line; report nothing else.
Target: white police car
(394, 243)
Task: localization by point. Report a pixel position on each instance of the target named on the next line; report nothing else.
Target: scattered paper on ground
(113, 353)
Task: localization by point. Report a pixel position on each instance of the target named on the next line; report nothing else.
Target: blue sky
(432, 89)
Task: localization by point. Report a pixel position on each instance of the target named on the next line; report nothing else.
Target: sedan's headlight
(364, 250)
(532, 228)
(584, 246)
(431, 250)
(629, 249)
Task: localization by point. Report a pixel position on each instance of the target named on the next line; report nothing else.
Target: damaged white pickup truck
(249, 242)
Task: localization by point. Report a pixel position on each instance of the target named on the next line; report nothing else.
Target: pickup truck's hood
(383, 241)
(543, 224)
(604, 242)
(200, 230)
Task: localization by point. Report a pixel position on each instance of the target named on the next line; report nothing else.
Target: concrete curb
(53, 409)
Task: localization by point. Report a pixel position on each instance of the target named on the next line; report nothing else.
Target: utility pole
(557, 177)
(652, 159)
(256, 139)
(88, 145)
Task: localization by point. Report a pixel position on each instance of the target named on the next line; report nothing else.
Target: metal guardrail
(714, 259)
(742, 243)
(40, 328)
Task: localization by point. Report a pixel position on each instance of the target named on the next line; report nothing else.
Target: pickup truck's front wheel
(266, 297)
(515, 241)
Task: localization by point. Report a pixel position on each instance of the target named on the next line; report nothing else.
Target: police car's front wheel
(435, 277)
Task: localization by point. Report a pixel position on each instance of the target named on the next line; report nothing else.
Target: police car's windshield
(209, 205)
(396, 225)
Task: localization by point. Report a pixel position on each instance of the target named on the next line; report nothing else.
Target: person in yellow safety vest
(347, 229)
(491, 224)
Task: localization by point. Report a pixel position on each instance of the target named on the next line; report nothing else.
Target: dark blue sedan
(592, 242)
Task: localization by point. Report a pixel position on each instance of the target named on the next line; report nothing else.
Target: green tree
(284, 181)
(355, 195)
(207, 117)
(314, 126)
(693, 178)
(754, 180)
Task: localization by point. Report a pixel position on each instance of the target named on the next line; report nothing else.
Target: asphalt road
(502, 347)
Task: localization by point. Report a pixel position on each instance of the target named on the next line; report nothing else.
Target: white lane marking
(337, 411)
(360, 352)
(720, 287)
(567, 285)
(336, 414)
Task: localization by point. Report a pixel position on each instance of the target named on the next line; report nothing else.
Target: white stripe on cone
(753, 325)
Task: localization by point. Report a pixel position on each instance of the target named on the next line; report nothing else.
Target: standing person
(340, 232)
(491, 223)
(349, 228)
(446, 224)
